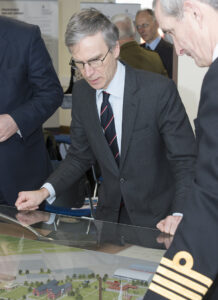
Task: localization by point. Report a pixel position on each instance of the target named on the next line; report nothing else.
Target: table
(75, 258)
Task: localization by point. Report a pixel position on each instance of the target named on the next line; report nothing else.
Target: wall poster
(42, 13)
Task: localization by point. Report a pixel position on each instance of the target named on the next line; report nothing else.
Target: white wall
(190, 79)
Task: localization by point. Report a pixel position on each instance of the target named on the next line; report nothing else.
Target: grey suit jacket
(157, 150)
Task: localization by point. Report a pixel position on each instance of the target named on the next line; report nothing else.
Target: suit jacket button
(122, 180)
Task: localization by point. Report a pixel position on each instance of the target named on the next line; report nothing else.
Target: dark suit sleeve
(196, 240)
(44, 93)
(80, 156)
(178, 137)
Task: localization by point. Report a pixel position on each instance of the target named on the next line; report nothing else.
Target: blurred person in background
(30, 93)
(147, 27)
(131, 52)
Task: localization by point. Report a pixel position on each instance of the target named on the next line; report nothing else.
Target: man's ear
(116, 50)
(194, 10)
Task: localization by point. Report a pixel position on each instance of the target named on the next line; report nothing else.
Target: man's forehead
(84, 54)
(89, 42)
(143, 15)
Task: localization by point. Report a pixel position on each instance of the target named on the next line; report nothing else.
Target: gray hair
(126, 28)
(89, 22)
(175, 7)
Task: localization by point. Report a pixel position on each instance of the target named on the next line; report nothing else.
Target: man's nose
(141, 30)
(88, 70)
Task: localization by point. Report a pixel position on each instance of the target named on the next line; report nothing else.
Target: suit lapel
(130, 104)
(101, 146)
(159, 45)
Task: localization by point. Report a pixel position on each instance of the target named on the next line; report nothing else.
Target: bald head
(146, 25)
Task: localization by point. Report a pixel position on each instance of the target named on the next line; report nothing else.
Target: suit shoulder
(148, 82)
(17, 28)
(80, 84)
(82, 89)
(154, 56)
(209, 87)
(147, 76)
(213, 69)
(151, 54)
(164, 46)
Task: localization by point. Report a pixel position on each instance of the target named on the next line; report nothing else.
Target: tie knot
(105, 96)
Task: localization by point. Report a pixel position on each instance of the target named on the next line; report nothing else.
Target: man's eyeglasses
(138, 27)
(94, 63)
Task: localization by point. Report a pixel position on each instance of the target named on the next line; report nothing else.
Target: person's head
(125, 26)
(93, 42)
(192, 25)
(146, 25)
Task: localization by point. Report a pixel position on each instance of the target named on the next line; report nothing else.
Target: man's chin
(202, 64)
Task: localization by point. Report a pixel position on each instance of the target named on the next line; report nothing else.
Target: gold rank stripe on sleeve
(187, 271)
(176, 287)
(178, 283)
(181, 279)
(165, 293)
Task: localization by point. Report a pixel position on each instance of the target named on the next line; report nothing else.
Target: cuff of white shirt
(51, 191)
(177, 214)
(51, 219)
(19, 132)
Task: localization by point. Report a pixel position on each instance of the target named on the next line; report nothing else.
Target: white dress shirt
(215, 52)
(154, 43)
(116, 91)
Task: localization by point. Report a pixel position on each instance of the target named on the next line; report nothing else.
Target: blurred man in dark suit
(131, 52)
(147, 27)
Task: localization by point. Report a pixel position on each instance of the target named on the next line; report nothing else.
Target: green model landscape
(90, 287)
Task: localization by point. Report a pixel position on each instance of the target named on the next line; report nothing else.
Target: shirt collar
(215, 52)
(154, 43)
(114, 87)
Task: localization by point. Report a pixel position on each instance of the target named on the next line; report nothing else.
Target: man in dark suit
(146, 172)
(131, 52)
(30, 93)
(147, 27)
(189, 269)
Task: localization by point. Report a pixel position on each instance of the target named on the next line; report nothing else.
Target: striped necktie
(108, 125)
